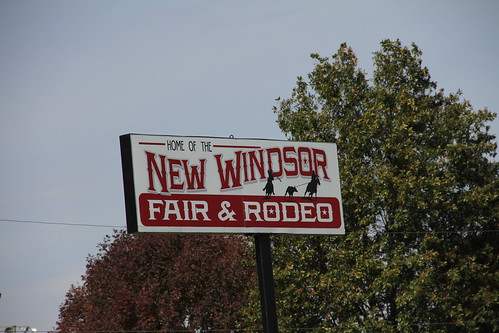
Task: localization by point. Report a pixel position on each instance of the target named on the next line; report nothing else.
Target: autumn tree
(420, 198)
(160, 283)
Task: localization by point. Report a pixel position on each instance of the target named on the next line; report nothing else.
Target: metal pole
(266, 283)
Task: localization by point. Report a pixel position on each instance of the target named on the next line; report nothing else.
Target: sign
(225, 185)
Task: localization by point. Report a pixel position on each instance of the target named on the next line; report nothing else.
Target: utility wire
(437, 232)
(123, 227)
(63, 223)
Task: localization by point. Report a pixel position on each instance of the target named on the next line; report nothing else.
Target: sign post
(266, 283)
(181, 184)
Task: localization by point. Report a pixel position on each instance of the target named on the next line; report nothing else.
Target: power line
(437, 232)
(385, 232)
(63, 223)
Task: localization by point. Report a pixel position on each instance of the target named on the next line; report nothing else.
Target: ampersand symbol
(225, 214)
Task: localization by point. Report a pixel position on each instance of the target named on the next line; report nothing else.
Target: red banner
(193, 210)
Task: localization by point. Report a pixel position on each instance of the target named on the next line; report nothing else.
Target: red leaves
(158, 282)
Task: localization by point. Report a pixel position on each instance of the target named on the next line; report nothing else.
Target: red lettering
(230, 177)
(180, 173)
(258, 163)
(275, 151)
(175, 175)
(245, 167)
(154, 169)
(249, 166)
(305, 157)
(194, 178)
(290, 158)
(320, 162)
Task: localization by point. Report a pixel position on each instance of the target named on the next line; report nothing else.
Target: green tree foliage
(161, 283)
(420, 199)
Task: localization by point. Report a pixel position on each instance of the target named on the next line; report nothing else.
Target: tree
(420, 199)
(161, 282)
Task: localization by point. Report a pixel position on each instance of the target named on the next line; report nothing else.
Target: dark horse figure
(312, 188)
(269, 187)
(290, 191)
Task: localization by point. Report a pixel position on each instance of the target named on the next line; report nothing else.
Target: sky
(75, 75)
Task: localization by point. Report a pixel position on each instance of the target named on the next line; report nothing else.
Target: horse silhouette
(289, 192)
(312, 188)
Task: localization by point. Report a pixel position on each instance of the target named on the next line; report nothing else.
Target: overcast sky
(75, 75)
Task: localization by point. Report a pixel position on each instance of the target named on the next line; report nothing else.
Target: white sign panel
(219, 185)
